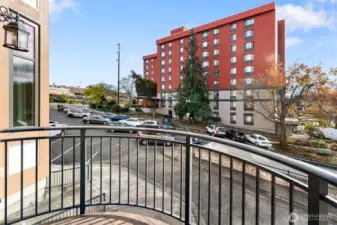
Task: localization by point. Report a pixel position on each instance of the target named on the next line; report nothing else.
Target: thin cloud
(56, 7)
(292, 41)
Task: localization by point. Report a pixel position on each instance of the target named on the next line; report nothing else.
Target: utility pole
(119, 62)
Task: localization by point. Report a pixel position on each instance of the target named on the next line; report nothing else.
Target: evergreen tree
(192, 93)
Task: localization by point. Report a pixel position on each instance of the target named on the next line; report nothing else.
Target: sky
(84, 33)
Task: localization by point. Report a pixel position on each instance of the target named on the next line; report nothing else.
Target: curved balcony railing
(193, 183)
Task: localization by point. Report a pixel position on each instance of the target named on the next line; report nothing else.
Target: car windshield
(262, 138)
(241, 133)
(132, 120)
(221, 129)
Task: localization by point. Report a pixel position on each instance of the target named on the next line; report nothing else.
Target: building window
(205, 64)
(170, 78)
(249, 57)
(248, 81)
(181, 50)
(31, 3)
(181, 41)
(170, 53)
(205, 55)
(233, 82)
(233, 37)
(216, 31)
(181, 58)
(152, 66)
(162, 54)
(205, 34)
(170, 61)
(233, 94)
(216, 95)
(233, 27)
(216, 83)
(162, 62)
(25, 77)
(170, 70)
(233, 48)
(248, 93)
(249, 34)
(204, 44)
(147, 73)
(170, 44)
(249, 69)
(146, 67)
(249, 22)
(162, 71)
(216, 41)
(216, 52)
(249, 46)
(248, 105)
(233, 105)
(151, 60)
(181, 68)
(162, 79)
(170, 87)
(146, 61)
(233, 118)
(216, 73)
(233, 71)
(216, 63)
(162, 47)
(152, 72)
(248, 119)
(233, 60)
(163, 87)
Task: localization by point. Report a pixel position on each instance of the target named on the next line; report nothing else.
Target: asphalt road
(154, 166)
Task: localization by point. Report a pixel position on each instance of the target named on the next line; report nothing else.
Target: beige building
(24, 100)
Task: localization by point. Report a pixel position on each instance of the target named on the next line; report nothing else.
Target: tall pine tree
(192, 93)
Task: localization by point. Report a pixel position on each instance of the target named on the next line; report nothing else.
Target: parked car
(160, 138)
(198, 141)
(259, 140)
(329, 133)
(60, 108)
(56, 132)
(114, 117)
(95, 120)
(317, 132)
(78, 113)
(236, 135)
(132, 122)
(113, 124)
(216, 131)
(167, 127)
(66, 109)
(149, 122)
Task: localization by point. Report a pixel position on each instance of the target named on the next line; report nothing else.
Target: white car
(56, 132)
(132, 122)
(149, 122)
(216, 131)
(78, 113)
(329, 133)
(258, 140)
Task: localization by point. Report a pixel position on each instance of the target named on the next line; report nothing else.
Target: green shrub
(333, 146)
(139, 110)
(318, 144)
(124, 109)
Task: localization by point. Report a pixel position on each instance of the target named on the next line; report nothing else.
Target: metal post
(82, 172)
(118, 75)
(188, 172)
(317, 210)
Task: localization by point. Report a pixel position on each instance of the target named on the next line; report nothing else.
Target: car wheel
(112, 131)
(105, 123)
(88, 121)
(213, 134)
(143, 142)
(256, 144)
(70, 115)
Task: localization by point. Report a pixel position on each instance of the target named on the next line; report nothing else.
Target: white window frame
(204, 44)
(233, 37)
(249, 22)
(233, 59)
(170, 86)
(162, 62)
(181, 50)
(170, 44)
(216, 62)
(162, 70)
(170, 78)
(249, 69)
(216, 52)
(216, 41)
(216, 82)
(181, 58)
(233, 26)
(181, 41)
(169, 69)
(233, 71)
(216, 31)
(169, 52)
(249, 43)
(205, 54)
(233, 46)
(162, 54)
(248, 57)
(233, 81)
(251, 32)
(205, 34)
(162, 79)
(162, 46)
(205, 64)
(170, 61)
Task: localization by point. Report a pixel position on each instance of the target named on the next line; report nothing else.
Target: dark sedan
(118, 124)
(236, 135)
(114, 117)
(95, 120)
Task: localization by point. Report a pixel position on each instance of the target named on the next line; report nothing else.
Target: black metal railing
(192, 182)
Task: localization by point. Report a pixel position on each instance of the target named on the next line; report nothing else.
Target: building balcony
(98, 177)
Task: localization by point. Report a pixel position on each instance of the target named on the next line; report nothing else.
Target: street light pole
(118, 61)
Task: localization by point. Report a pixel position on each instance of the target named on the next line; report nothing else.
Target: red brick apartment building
(231, 49)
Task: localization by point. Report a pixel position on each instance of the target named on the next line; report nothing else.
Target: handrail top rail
(294, 163)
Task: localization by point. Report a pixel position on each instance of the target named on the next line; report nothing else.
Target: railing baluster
(154, 174)
(74, 140)
(209, 188)
(231, 191)
(199, 187)
(257, 196)
(120, 171)
(163, 180)
(110, 168)
(91, 180)
(49, 189)
(62, 171)
(6, 181)
(273, 199)
(100, 170)
(21, 181)
(181, 180)
(317, 210)
(36, 174)
(82, 177)
(243, 208)
(146, 173)
(137, 191)
(220, 188)
(291, 202)
(172, 171)
(188, 169)
(128, 170)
